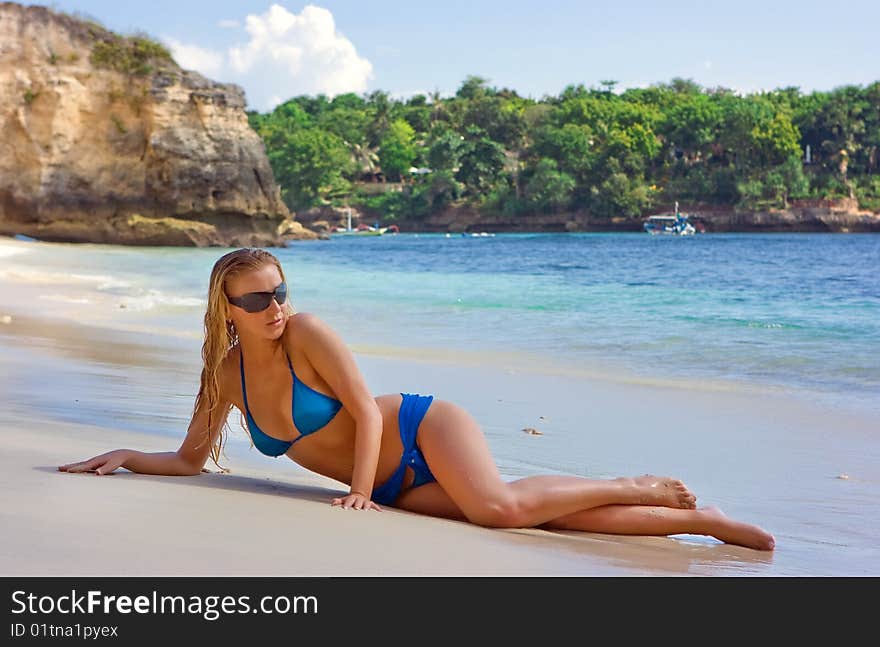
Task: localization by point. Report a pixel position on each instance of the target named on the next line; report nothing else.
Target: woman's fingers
(356, 501)
(74, 467)
(87, 466)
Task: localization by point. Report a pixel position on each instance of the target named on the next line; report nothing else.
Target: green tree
(346, 116)
(442, 190)
(473, 87)
(445, 150)
(548, 189)
(308, 164)
(691, 126)
(501, 119)
(619, 195)
(417, 113)
(481, 162)
(397, 150)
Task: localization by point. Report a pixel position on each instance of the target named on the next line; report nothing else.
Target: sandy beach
(269, 522)
(761, 457)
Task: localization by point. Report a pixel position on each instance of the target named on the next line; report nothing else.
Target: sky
(278, 50)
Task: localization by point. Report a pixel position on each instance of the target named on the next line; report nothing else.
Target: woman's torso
(328, 450)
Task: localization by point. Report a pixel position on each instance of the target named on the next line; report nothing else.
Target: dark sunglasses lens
(256, 301)
(259, 301)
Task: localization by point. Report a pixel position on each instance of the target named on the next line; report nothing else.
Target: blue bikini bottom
(412, 409)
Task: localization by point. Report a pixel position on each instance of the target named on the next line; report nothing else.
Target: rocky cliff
(106, 139)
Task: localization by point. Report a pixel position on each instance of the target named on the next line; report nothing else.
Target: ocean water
(798, 313)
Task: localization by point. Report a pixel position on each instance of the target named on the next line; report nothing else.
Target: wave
(103, 281)
(26, 275)
(155, 299)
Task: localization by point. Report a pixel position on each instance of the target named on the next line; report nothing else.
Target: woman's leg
(432, 500)
(458, 455)
(652, 520)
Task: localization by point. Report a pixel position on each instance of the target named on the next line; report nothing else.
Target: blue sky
(276, 50)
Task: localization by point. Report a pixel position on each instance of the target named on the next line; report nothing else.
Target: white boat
(670, 224)
(361, 229)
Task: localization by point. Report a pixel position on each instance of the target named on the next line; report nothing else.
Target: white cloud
(286, 55)
(192, 57)
(228, 24)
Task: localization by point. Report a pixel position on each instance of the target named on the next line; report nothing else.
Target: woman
(302, 395)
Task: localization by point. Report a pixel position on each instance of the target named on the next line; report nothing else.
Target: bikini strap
(243, 387)
(292, 372)
(293, 396)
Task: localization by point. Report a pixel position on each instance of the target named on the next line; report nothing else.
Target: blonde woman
(302, 395)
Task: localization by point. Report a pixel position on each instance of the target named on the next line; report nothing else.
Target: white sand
(264, 522)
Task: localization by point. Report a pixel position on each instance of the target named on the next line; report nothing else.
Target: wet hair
(221, 336)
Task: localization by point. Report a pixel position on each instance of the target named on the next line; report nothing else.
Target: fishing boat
(362, 229)
(670, 224)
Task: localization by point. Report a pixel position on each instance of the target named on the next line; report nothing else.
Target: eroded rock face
(89, 153)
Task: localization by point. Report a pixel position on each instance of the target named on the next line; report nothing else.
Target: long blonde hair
(221, 336)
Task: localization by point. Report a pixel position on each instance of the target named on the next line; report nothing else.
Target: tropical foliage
(610, 152)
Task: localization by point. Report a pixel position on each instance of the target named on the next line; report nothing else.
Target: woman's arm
(333, 360)
(186, 461)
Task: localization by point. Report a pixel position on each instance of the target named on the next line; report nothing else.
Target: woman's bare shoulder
(301, 318)
(307, 334)
(297, 328)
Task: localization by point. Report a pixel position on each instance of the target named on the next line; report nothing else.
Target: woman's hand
(357, 501)
(100, 465)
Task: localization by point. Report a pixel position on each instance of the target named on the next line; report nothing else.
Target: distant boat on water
(670, 224)
(473, 234)
(363, 229)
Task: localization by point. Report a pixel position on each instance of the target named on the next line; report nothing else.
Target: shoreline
(841, 215)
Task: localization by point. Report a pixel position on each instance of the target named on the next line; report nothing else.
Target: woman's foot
(725, 529)
(661, 490)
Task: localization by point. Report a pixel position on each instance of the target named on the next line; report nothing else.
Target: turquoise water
(797, 312)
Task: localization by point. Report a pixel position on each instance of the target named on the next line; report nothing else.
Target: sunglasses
(259, 301)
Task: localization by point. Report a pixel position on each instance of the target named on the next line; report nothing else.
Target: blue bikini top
(310, 409)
